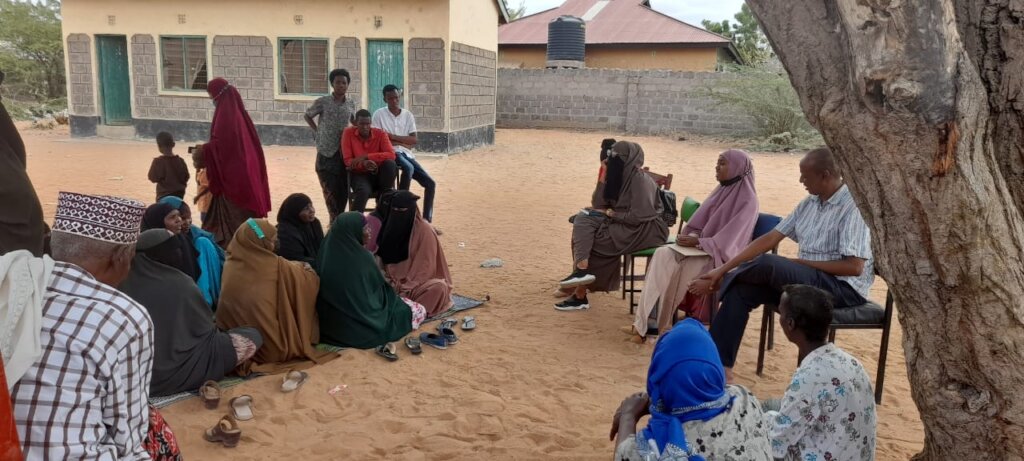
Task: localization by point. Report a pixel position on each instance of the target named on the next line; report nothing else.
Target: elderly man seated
(834, 255)
(85, 395)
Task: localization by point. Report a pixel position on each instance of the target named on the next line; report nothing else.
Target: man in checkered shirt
(86, 396)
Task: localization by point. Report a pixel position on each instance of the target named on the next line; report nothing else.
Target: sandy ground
(530, 382)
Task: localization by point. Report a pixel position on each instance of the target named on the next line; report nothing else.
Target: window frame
(184, 61)
(305, 70)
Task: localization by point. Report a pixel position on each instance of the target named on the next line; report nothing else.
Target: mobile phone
(191, 149)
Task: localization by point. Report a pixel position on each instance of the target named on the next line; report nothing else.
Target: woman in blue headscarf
(695, 416)
(211, 256)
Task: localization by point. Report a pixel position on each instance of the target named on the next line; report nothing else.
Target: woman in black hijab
(165, 216)
(396, 229)
(299, 232)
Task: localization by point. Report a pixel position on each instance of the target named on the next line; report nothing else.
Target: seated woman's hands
(687, 241)
(630, 411)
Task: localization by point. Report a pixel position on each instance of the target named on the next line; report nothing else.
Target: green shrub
(769, 99)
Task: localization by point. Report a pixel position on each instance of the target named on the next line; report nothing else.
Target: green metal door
(386, 64)
(115, 93)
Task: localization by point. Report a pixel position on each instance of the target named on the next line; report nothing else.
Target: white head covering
(23, 282)
(100, 217)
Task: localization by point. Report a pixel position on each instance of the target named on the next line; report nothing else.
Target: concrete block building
(141, 67)
(620, 34)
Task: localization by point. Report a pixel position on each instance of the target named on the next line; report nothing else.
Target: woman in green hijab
(357, 307)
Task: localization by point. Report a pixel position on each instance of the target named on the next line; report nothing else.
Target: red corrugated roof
(619, 22)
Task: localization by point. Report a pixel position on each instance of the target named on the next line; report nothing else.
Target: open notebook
(687, 251)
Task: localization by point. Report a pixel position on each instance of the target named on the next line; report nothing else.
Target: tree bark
(922, 102)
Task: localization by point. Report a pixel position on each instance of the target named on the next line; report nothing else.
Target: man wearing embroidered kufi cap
(86, 395)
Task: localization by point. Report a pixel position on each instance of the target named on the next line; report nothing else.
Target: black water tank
(567, 42)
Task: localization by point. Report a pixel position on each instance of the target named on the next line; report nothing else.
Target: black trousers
(760, 281)
(334, 182)
(364, 184)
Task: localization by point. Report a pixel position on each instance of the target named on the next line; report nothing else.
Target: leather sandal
(210, 393)
(226, 432)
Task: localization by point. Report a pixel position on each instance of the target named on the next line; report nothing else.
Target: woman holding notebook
(721, 227)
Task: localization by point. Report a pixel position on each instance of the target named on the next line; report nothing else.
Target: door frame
(100, 106)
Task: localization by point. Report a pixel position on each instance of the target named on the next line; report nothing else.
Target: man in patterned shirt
(834, 255)
(335, 114)
(828, 411)
(86, 396)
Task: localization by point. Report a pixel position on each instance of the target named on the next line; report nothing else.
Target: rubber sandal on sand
(447, 323)
(468, 323)
(226, 432)
(210, 393)
(435, 341)
(388, 351)
(414, 345)
(293, 379)
(241, 408)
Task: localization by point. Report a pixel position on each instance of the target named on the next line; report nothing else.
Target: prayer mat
(459, 303)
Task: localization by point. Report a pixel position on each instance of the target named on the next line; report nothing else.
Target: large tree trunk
(922, 102)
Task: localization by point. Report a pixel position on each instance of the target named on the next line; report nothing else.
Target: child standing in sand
(168, 171)
(202, 200)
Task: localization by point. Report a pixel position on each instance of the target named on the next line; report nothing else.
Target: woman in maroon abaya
(235, 165)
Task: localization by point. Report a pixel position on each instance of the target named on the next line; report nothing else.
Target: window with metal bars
(183, 63)
(302, 66)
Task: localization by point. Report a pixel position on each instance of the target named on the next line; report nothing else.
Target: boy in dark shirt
(168, 171)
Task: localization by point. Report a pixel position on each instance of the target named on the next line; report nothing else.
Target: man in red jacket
(369, 158)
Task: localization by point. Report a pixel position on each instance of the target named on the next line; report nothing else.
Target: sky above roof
(691, 11)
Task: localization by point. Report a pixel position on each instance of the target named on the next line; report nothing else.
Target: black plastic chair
(868, 316)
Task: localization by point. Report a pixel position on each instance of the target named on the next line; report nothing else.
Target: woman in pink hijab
(235, 165)
(721, 228)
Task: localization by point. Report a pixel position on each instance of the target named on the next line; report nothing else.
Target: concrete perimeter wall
(650, 102)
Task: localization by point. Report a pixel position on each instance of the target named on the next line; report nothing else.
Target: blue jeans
(412, 170)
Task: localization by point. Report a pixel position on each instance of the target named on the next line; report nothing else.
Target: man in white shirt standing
(828, 411)
(400, 125)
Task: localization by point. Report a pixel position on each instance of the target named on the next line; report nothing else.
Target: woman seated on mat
(357, 306)
(273, 294)
(165, 216)
(299, 232)
(721, 227)
(627, 220)
(375, 219)
(210, 256)
(694, 414)
(412, 256)
(188, 349)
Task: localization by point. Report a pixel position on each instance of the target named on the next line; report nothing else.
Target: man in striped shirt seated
(85, 396)
(834, 255)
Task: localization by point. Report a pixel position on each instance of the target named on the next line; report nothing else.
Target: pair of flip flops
(241, 406)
